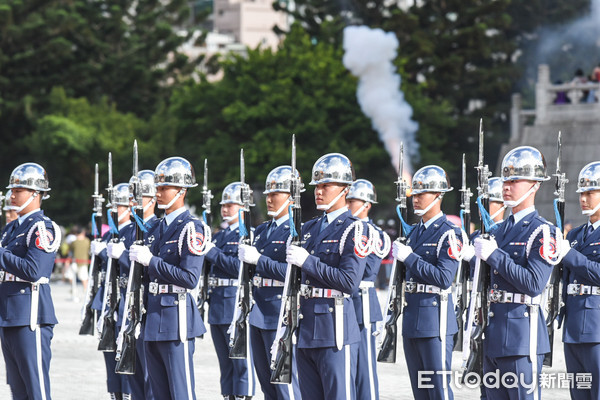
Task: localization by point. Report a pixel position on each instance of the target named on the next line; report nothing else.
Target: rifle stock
(108, 336)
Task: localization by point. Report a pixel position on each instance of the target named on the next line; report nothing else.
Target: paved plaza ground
(77, 369)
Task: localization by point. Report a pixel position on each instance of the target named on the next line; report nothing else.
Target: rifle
(281, 360)
(134, 307)
(396, 291)
(478, 313)
(3, 200)
(110, 301)
(238, 340)
(556, 277)
(463, 274)
(89, 316)
(207, 216)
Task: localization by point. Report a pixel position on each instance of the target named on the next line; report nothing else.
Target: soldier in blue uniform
(237, 375)
(117, 385)
(174, 265)
(268, 254)
(27, 319)
(431, 258)
(581, 289)
(332, 259)
(520, 257)
(138, 383)
(366, 305)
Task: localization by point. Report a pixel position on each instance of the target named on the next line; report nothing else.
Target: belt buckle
(305, 291)
(584, 289)
(212, 281)
(410, 287)
(495, 295)
(256, 281)
(153, 288)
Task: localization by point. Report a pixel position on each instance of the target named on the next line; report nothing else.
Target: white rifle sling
(285, 304)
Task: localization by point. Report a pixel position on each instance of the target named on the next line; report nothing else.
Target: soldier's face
(326, 192)
(20, 195)
(354, 205)
(589, 200)
(230, 210)
(514, 190)
(422, 200)
(164, 194)
(275, 200)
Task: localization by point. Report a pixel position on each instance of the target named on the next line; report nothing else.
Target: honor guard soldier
(174, 265)
(520, 257)
(431, 256)
(366, 305)
(268, 254)
(581, 332)
(332, 260)
(117, 384)
(237, 375)
(27, 319)
(138, 382)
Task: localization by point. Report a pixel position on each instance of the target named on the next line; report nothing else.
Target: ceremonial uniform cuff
(212, 254)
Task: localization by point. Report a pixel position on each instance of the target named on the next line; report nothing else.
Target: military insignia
(306, 236)
(197, 242)
(552, 245)
(257, 238)
(574, 243)
(38, 243)
(364, 243)
(458, 248)
(151, 239)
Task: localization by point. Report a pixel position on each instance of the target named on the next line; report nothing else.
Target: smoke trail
(369, 55)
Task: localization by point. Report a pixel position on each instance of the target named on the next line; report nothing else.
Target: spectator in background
(596, 73)
(580, 78)
(561, 97)
(80, 251)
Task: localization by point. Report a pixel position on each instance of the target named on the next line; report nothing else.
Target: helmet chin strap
(513, 204)
(499, 212)
(276, 213)
(361, 209)
(28, 202)
(592, 211)
(420, 213)
(150, 203)
(228, 219)
(326, 207)
(123, 215)
(167, 206)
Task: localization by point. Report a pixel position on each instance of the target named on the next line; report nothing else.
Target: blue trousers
(261, 340)
(169, 376)
(115, 383)
(520, 366)
(22, 350)
(367, 384)
(327, 373)
(237, 376)
(423, 355)
(584, 358)
(138, 382)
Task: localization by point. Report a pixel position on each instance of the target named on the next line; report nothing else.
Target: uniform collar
(234, 226)
(365, 219)
(334, 214)
(432, 220)
(281, 220)
(523, 213)
(171, 217)
(124, 224)
(24, 217)
(595, 225)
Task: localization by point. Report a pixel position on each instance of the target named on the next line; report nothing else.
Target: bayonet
(465, 191)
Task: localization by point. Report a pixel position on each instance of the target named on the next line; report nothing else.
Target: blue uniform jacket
(26, 262)
(271, 265)
(422, 311)
(326, 268)
(224, 263)
(371, 270)
(168, 267)
(582, 265)
(507, 333)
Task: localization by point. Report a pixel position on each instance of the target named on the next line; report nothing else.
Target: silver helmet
(279, 180)
(524, 162)
(233, 194)
(495, 189)
(430, 178)
(119, 195)
(8, 202)
(29, 176)
(147, 186)
(363, 190)
(589, 177)
(175, 171)
(332, 167)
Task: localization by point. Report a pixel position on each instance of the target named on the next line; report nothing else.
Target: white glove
(565, 247)
(468, 252)
(296, 255)
(248, 254)
(401, 251)
(209, 247)
(140, 254)
(114, 250)
(484, 247)
(97, 247)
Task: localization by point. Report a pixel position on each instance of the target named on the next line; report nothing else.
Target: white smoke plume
(369, 55)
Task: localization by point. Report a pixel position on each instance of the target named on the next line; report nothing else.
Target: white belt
(576, 289)
(502, 296)
(413, 287)
(35, 294)
(214, 282)
(366, 284)
(8, 277)
(310, 291)
(266, 282)
(156, 288)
